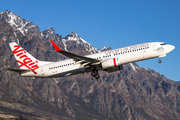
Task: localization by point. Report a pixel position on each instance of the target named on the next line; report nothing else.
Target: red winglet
(56, 47)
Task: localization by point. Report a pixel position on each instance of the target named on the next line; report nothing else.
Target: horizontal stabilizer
(19, 70)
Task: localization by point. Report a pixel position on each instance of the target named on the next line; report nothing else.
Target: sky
(114, 23)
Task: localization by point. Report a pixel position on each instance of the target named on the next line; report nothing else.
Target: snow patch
(55, 80)
(16, 22)
(4, 38)
(73, 85)
(148, 69)
(48, 33)
(42, 35)
(17, 41)
(137, 67)
(91, 89)
(133, 67)
(13, 18)
(65, 46)
(105, 48)
(74, 37)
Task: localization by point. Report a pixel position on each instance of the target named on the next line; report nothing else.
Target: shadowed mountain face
(133, 93)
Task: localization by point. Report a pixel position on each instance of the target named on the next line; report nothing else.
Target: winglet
(56, 47)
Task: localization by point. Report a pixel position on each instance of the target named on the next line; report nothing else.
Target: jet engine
(111, 65)
(107, 63)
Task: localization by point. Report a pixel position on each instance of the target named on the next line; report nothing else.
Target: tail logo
(24, 59)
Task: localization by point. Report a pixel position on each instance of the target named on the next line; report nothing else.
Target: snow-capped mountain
(105, 48)
(70, 42)
(74, 37)
(48, 34)
(18, 23)
(21, 25)
(132, 93)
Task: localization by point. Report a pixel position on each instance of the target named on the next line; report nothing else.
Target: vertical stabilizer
(24, 59)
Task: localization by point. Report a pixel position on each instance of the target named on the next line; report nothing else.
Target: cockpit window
(163, 44)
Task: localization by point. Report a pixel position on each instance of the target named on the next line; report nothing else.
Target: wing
(79, 59)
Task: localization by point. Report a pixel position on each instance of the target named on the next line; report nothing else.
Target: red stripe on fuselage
(114, 60)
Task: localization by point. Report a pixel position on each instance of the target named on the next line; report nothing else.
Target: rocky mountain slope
(133, 93)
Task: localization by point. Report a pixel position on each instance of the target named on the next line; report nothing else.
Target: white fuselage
(125, 55)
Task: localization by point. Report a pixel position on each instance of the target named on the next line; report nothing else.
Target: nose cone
(171, 47)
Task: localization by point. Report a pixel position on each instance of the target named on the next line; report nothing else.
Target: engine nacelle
(112, 65)
(112, 62)
(113, 69)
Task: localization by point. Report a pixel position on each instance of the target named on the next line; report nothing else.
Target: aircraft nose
(171, 47)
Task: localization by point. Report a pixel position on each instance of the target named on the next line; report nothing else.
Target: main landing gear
(94, 73)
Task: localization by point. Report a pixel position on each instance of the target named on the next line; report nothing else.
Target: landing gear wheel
(96, 76)
(94, 73)
(159, 61)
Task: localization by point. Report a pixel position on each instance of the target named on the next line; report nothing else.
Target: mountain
(105, 48)
(132, 93)
(73, 41)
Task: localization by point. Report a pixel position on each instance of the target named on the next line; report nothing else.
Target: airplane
(110, 61)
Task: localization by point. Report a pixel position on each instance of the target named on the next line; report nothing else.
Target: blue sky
(115, 23)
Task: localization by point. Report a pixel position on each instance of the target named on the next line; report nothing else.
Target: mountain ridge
(133, 93)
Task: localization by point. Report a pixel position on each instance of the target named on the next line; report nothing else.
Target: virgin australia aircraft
(110, 61)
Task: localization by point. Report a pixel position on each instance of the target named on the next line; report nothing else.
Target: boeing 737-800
(110, 61)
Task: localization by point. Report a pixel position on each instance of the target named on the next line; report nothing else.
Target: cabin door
(42, 71)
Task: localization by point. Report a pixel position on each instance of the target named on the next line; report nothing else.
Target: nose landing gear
(159, 61)
(94, 73)
(161, 56)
